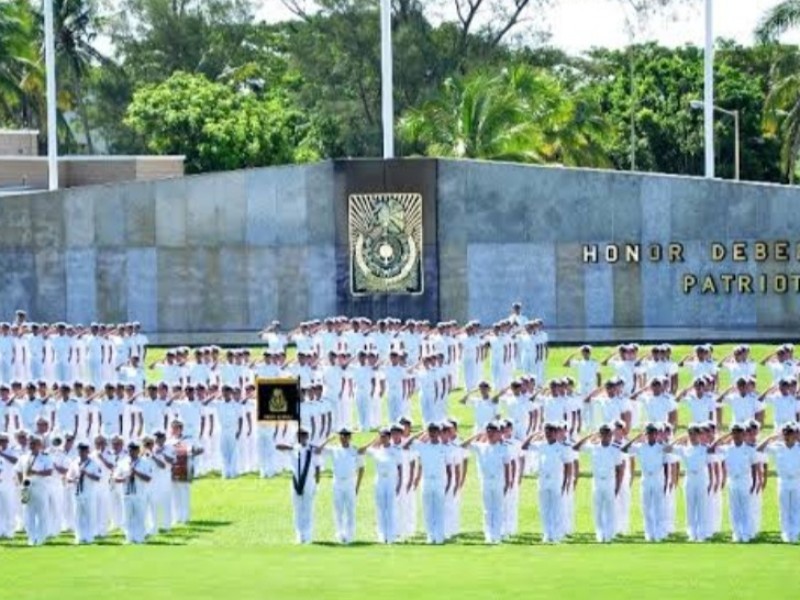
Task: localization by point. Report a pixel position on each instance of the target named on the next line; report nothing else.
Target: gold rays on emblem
(385, 240)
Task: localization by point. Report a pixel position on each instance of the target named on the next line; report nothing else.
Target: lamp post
(50, 68)
(387, 100)
(700, 105)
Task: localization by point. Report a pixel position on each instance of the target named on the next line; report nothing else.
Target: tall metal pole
(709, 90)
(737, 146)
(387, 104)
(50, 67)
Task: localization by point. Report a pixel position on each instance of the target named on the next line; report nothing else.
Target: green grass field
(240, 545)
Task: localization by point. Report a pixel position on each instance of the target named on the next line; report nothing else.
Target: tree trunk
(81, 106)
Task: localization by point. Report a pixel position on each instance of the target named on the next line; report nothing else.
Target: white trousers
(135, 510)
(364, 408)
(8, 510)
(740, 512)
(550, 511)
(433, 510)
(304, 514)
(385, 509)
(622, 505)
(493, 510)
(789, 504)
(34, 514)
(102, 498)
(696, 492)
(344, 510)
(229, 447)
(470, 374)
(395, 404)
(267, 454)
(181, 508)
(605, 510)
(653, 508)
(85, 506)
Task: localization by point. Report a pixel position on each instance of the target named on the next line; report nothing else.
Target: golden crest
(385, 244)
(277, 402)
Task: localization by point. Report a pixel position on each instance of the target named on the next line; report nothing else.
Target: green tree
(217, 127)
(518, 114)
(17, 57)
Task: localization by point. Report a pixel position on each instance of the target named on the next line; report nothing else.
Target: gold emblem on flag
(385, 244)
(277, 402)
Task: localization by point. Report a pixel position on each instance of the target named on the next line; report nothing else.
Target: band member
(184, 452)
(33, 469)
(135, 474)
(86, 475)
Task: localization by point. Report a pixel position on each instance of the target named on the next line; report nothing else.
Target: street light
(700, 105)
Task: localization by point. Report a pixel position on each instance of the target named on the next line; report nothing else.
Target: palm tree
(76, 29)
(16, 54)
(520, 114)
(782, 107)
(474, 117)
(779, 19)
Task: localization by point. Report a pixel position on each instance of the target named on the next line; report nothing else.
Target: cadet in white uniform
(493, 463)
(230, 422)
(305, 475)
(588, 375)
(33, 470)
(9, 491)
(786, 454)
(86, 475)
(135, 473)
(437, 479)
(740, 462)
(347, 465)
(607, 476)
(652, 458)
(695, 457)
(388, 482)
(554, 471)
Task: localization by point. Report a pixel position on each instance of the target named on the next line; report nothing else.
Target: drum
(181, 468)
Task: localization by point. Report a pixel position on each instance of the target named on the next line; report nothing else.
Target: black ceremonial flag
(278, 399)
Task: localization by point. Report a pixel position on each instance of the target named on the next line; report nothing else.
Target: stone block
(140, 214)
(170, 212)
(16, 230)
(81, 285)
(142, 284)
(112, 285)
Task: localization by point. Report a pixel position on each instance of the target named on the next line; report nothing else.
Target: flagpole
(50, 68)
(708, 87)
(387, 100)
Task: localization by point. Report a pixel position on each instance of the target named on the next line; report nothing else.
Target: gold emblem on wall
(385, 244)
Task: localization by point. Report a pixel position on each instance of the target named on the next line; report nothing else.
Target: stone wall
(219, 252)
(518, 232)
(230, 251)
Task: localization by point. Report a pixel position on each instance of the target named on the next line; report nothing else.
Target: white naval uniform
(652, 460)
(9, 497)
(785, 408)
(492, 460)
(35, 511)
(622, 502)
(397, 403)
(552, 458)
(135, 490)
(605, 460)
(696, 463)
(587, 370)
(303, 502)
(386, 461)
(787, 464)
(345, 464)
(160, 497)
(511, 499)
(485, 410)
(738, 462)
(230, 421)
(701, 408)
(469, 359)
(434, 462)
(85, 497)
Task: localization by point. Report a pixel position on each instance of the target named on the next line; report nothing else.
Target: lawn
(240, 545)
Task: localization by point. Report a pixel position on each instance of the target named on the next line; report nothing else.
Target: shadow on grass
(180, 535)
